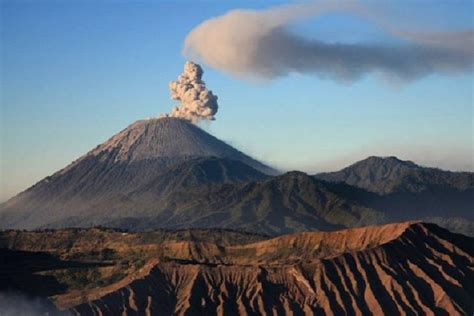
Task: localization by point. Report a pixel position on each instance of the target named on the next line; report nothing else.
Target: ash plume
(258, 43)
(197, 102)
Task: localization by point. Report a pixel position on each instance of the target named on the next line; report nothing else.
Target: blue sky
(73, 73)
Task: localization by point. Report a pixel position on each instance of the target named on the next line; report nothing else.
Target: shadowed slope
(287, 203)
(272, 205)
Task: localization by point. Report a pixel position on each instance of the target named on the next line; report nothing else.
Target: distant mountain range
(403, 190)
(396, 269)
(168, 173)
(388, 175)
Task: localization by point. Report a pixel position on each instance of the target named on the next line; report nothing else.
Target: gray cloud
(259, 44)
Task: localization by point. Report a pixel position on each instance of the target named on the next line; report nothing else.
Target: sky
(73, 73)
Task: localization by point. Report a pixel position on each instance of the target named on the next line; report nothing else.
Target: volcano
(131, 159)
(168, 173)
(164, 139)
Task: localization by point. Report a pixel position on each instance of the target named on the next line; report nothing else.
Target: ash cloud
(196, 101)
(259, 44)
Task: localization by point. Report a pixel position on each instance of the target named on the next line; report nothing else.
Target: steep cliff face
(409, 268)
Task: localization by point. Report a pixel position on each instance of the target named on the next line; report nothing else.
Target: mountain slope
(287, 203)
(275, 205)
(211, 192)
(272, 205)
(402, 190)
(136, 156)
(391, 175)
(167, 173)
(404, 268)
(200, 171)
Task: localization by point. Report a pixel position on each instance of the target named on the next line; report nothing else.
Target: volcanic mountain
(133, 158)
(168, 173)
(407, 268)
(403, 190)
(386, 175)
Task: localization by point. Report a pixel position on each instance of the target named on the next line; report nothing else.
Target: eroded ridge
(408, 269)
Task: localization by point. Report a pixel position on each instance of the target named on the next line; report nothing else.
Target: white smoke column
(197, 102)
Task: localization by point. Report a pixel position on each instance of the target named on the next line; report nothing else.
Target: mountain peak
(387, 161)
(158, 137)
(374, 169)
(166, 138)
(376, 174)
(391, 174)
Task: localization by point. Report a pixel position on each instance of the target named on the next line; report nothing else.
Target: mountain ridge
(273, 205)
(164, 173)
(385, 175)
(400, 268)
(369, 282)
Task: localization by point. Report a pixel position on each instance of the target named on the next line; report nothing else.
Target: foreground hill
(405, 268)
